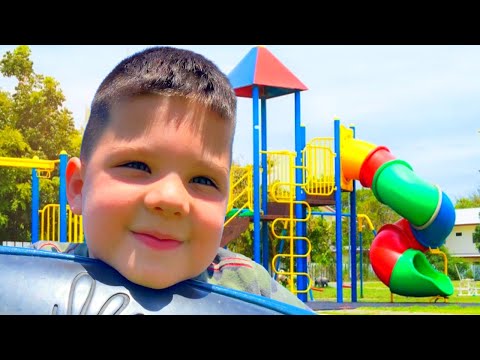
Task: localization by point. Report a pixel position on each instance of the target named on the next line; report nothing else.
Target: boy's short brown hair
(164, 71)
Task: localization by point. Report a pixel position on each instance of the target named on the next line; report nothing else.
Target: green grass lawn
(377, 292)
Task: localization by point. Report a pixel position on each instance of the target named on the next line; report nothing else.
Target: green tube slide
(413, 275)
(397, 186)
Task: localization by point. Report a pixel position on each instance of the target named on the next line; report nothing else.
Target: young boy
(152, 180)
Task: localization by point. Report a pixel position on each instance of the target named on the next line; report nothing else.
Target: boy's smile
(154, 191)
(157, 242)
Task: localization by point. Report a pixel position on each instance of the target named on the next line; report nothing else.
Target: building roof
(467, 216)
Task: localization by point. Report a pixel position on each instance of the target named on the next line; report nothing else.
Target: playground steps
(321, 200)
(276, 209)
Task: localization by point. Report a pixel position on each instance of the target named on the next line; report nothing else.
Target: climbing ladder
(282, 190)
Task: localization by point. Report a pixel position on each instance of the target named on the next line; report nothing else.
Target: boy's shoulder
(227, 258)
(239, 272)
(79, 249)
(234, 269)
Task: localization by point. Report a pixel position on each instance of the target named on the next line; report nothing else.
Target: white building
(460, 241)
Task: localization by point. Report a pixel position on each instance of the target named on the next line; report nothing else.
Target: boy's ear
(74, 185)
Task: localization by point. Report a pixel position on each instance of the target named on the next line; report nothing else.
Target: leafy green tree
(321, 234)
(36, 107)
(476, 237)
(12, 186)
(471, 201)
(33, 122)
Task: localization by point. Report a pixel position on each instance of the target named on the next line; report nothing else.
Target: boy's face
(154, 192)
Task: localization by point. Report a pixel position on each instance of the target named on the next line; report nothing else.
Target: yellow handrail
(236, 192)
(437, 251)
(360, 219)
(34, 163)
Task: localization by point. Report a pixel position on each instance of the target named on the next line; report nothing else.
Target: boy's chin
(154, 283)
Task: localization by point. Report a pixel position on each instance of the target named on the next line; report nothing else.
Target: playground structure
(43, 169)
(55, 221)
(326, 166)
(280, 188)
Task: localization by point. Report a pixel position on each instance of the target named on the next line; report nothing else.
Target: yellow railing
(319, 167)
(50, 224)
(241, 191)
(281, 165)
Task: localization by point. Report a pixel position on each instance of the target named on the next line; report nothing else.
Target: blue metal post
(256, 177)
(63, 196)
(353, 242)
(264, 236)
(353, 236)
(35, 205)
(360, 241)
(338, 212)
(300, 227)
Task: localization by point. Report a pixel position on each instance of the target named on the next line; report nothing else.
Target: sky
(422, 101)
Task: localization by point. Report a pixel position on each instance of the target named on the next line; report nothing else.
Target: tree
(321, 234)
(476, 236)
(35, 108)
(33, 122)
(471, 201)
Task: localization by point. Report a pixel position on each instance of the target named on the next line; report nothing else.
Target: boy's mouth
(157, 241)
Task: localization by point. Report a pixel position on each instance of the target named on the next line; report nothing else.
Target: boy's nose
(169, 196)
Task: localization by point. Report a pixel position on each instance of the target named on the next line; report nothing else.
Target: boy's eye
(204, 181)
(137, 165)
